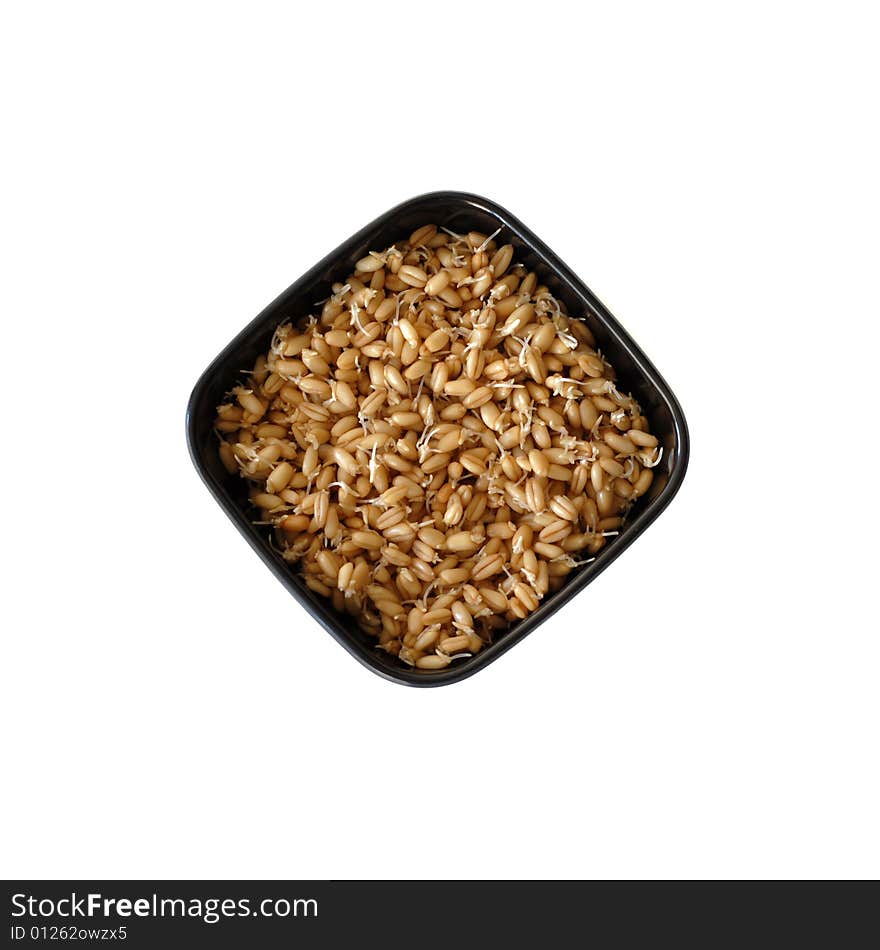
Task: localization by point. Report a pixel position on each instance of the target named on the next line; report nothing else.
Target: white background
(709, 707)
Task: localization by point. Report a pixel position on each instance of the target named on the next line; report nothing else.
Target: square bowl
(462, 213)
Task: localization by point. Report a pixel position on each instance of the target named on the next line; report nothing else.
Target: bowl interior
(459, 213)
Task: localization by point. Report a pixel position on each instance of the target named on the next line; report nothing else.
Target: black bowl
(462, 213)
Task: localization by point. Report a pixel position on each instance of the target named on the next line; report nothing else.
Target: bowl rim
(324, 613)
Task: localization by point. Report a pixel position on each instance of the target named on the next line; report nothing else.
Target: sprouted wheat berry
(439, 447)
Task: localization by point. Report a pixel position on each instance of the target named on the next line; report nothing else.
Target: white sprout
(648, 462)
(374, 465)
(354, 321)
(489, 240)
(457, 237)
